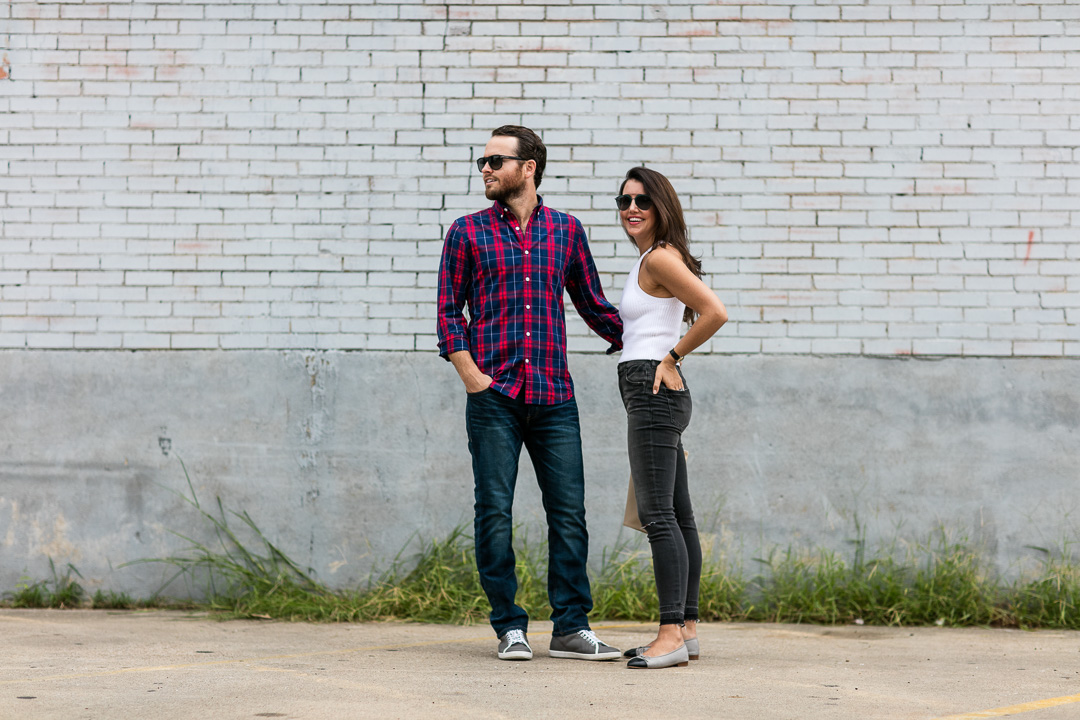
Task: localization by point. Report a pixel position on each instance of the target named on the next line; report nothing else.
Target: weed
(65, 592)
(236, 572)
(109, 600)
(939, 582)
(1050, 600)
(942, 582)
(29, 595)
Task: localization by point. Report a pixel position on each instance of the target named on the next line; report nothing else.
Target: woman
(663, 289)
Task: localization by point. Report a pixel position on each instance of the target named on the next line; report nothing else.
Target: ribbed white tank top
(650, 324)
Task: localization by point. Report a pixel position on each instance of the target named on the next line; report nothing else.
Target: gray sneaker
(514, 645)
(582, 645)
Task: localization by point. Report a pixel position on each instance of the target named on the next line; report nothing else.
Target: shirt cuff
(452, 345)
(615, 347)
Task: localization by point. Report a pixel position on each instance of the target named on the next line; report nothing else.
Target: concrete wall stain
(9, 536)
(56, 546)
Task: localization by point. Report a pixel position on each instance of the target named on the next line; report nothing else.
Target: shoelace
(516, 637)
(591, 637)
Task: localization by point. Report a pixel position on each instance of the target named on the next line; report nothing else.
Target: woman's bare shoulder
(664, 257)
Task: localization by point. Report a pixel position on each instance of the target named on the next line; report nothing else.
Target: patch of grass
(939, 582)
(442, 585)
(625, 589)
(1050, 600)
(110, 600)
(949, 586)
(27, 595)
(238, 579)
(63, 591)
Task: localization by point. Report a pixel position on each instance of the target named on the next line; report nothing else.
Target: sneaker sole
(516, 655)
(565, 654)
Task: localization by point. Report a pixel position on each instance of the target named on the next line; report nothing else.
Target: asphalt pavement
(164, 664)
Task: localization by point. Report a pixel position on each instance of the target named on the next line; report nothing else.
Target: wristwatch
(677, 356)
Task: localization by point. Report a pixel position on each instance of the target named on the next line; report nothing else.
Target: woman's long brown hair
(670, 223)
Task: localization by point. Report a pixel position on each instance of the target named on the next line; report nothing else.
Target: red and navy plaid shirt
(513, 285)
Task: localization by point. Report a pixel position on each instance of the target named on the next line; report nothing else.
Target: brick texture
(879, 179)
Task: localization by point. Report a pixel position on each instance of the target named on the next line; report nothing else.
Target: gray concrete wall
(342, 457)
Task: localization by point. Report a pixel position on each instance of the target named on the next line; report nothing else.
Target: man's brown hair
(529, 147)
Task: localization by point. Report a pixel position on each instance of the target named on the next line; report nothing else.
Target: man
(510, 265)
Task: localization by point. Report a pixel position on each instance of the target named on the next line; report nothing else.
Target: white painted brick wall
(882, 179)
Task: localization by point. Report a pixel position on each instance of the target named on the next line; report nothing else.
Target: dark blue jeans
(498, 426)
(655, 424)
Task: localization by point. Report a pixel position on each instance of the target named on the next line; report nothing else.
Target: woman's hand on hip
(668, 374)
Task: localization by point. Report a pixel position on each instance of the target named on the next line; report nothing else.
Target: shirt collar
(508, 213)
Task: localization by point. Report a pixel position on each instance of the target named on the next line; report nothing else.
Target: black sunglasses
(495, 161)
(643, 202)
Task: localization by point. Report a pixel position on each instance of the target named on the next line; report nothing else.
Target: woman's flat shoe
(692, 650)
(675, 658)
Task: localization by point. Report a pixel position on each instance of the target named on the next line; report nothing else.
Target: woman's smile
(639, 224)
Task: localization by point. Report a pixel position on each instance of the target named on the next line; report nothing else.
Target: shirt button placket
(528, 304)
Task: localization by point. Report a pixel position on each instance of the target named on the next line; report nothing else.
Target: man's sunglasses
(643, 202)
(495, 161)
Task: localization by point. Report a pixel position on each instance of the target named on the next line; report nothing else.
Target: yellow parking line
(211, 663)
(9, 618)
(1015, 709)
(263, 658)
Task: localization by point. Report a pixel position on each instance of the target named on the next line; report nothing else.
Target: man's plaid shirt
(513, 285)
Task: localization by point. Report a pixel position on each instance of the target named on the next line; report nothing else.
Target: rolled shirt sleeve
(583, 285)
(455, 281)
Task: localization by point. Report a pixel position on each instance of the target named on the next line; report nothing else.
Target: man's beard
(507, 189)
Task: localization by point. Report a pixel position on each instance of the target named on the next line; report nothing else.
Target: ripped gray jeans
(655, 424)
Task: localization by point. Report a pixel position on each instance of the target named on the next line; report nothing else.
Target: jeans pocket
(677, 404)
(486, 396)
(682, 407)
(636, 374)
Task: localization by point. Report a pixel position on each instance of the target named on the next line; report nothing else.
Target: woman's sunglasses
(495, 161)
(643, 202)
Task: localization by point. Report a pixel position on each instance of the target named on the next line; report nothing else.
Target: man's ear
(530, 168)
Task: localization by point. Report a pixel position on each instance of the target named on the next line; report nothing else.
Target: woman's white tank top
(650, 324)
